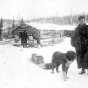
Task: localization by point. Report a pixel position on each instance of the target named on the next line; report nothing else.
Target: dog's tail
(47, 66)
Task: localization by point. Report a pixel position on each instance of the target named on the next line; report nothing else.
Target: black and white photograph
(43, 43)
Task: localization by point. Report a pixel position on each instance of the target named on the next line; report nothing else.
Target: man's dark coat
(79, 40)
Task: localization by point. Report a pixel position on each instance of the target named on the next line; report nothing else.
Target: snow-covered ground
(16, 70)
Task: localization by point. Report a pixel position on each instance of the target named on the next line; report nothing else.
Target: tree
(1, 26)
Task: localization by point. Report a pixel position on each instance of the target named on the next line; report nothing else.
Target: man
(80, 41)
(24, 37)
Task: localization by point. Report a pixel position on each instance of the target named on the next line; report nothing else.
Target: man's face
(81, 21)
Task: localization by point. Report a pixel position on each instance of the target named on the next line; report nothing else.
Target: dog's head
(71, 55)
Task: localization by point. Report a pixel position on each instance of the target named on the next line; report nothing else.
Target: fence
(52, 38)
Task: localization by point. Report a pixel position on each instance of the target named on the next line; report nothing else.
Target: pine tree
(13, 23)
(1, 27)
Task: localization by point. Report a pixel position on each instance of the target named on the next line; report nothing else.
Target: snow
(17, 71)
(49, 26)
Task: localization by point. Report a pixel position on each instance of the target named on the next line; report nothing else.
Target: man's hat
(81, 17)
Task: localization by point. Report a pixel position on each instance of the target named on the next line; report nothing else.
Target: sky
(29, 9)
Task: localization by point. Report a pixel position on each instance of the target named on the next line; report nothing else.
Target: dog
(64, 59)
